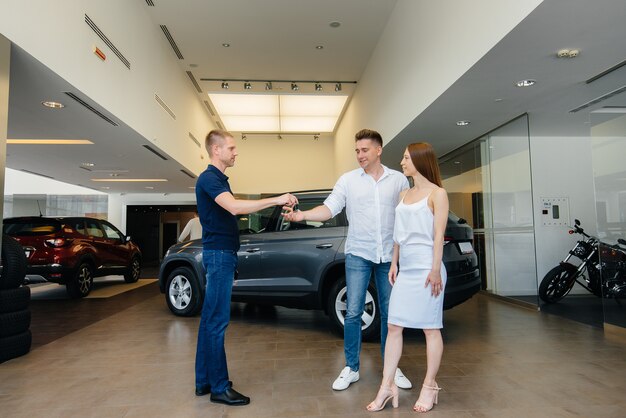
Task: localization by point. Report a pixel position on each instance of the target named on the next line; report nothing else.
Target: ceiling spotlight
(316, 137)
(280, 137)
(318, 87)
(463, 122)
(87, 164)
(53, 105)
(244, 137)
(225, 85)
(225, 45)
(338, 87)
(268, 85)
(319, 47)
(525, 83)
(334, 24)
(247, 86)
(294, 87)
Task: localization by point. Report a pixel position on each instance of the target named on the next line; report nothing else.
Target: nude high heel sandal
(393, 395)
(422, 407)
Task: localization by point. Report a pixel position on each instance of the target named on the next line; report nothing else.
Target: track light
(318, 87)
(338, 87)
(247, 86)
(224, 85)
(294, 87)
(316, 137)
(268, 85)
(244, 137)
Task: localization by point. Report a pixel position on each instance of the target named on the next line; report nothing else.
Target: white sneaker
(401, 381)
(346, 377)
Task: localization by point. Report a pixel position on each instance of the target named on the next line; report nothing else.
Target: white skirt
(412, 305)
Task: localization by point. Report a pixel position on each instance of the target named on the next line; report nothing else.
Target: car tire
(13, 323)
(12, 300)
(15, 346)
(134, 271)
(182, 292)
(13, 263)
(336, 308)
(80, 285)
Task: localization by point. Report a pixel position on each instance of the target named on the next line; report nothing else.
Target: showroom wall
(398, 83)
(561, 168)
(57, 35)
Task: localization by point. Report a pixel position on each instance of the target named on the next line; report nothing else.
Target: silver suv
(301, 265)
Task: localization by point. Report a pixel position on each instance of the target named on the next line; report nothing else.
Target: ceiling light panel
(245, 104)
(251, 123)
(308, 123)
(49, 141)
(292, 105)
(278, 113)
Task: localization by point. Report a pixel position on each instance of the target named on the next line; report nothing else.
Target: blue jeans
(358, 273)
(211, 368)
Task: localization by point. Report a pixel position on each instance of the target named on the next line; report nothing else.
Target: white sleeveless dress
(411, 304)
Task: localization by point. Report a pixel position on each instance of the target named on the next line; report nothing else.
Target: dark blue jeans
(211, 368)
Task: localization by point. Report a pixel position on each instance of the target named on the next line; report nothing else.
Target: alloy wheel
(180, 292)
(369, 312)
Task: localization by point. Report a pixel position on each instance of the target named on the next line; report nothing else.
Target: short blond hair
(216, 136)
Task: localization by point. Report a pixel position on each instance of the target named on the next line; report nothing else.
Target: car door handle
(253, 250)
(323, 246)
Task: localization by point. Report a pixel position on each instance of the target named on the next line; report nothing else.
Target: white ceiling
(276, 39)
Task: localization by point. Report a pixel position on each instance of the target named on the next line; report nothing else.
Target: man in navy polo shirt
(218, 208)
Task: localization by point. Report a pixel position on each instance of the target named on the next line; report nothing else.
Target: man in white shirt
(370, 195)
(193, 229)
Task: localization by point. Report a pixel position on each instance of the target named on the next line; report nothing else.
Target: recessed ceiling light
(87, 164)
(497, 100)
(49, 141)
(150, 187)
(226, 45)
(53, 105)
(525, 83)
(193, 65)
(319, 47)
(457, 162)
(335, 24)
(463, 122)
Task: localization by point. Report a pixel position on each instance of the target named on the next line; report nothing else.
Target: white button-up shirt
(370, 207)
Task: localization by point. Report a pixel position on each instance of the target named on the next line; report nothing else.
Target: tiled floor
(500, 361)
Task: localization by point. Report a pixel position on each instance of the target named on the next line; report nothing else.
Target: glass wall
(608, 140)
(95, 206)
(489, 184)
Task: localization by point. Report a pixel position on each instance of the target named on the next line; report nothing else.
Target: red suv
(74, 250)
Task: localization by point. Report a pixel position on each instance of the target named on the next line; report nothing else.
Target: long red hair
(425, 161)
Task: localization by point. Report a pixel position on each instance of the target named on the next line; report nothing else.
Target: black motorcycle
(602, 270)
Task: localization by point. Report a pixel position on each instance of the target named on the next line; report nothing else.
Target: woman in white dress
(417, 274)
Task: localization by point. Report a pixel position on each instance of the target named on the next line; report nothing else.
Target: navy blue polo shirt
(219, 227)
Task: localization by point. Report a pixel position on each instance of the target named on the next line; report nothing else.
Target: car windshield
(30, 227)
